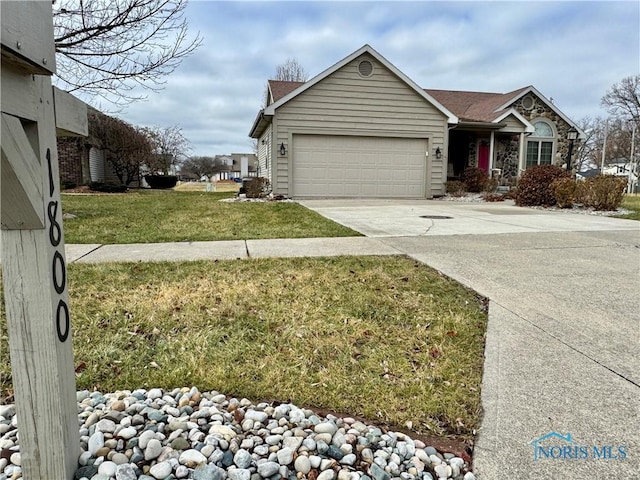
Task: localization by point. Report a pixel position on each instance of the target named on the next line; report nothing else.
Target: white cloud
(571, 51)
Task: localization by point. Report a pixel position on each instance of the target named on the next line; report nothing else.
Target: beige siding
(513, 125)
(264, 154)
(345, 103)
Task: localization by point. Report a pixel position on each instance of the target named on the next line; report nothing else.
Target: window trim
(540, 140)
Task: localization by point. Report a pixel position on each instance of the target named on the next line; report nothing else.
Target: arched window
(541, 144)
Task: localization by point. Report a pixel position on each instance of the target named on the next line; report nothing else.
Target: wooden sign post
(33, 259)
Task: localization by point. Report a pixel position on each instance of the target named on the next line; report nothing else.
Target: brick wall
(71, 155)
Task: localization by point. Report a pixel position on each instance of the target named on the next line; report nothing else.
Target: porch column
(491, 150)
(521, 161)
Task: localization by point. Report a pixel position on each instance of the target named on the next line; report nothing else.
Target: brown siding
(344, 103)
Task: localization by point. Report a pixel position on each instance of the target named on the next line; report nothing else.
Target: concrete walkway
(563, 340)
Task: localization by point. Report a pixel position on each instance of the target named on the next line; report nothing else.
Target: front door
(483, 156)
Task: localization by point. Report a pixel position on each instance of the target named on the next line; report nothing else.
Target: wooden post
(33, 258)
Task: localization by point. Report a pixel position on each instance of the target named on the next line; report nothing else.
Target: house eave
(469, 125)
(260, 124)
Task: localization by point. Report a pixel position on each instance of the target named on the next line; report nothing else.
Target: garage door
(346, 166)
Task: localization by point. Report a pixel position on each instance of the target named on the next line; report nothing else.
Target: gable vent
(528, 102)
(365, 68)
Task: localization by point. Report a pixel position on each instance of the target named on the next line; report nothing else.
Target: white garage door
(345, 166)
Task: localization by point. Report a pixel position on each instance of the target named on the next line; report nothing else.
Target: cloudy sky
(570, 51)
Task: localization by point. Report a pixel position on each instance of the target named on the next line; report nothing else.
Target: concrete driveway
(563, 340)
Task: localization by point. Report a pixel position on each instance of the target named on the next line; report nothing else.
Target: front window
(540, 145)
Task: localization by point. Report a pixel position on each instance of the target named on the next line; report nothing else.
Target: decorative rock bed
(158, 435)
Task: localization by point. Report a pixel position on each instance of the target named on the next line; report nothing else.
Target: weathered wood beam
(71, 115)
(21, 206)
(24, 43)
(38, 317)
(32, 249)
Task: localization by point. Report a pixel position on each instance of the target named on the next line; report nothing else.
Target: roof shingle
(473, 106)
(280, 88)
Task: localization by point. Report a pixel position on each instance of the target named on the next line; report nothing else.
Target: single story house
(83, 159)
(362, 128)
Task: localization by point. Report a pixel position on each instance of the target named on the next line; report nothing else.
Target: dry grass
(382, 337)
(221, 186)
(168, 216)
(631, 202)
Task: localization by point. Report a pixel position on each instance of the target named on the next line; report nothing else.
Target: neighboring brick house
(82, 160)
(73, 157)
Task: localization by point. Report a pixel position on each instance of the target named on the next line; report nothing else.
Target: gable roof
(281, 88)
(459, 106)
(531, 89)
(475, 106)
(270, 109)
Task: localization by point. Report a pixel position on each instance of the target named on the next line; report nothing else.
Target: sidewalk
(227, 250)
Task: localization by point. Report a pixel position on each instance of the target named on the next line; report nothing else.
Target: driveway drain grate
(435, 217)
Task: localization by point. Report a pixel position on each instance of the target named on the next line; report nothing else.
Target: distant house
(622, 167)
(618, 168)
(223, 166)
(584, 174)
(362, 128)
(236, 165)
(244, 165)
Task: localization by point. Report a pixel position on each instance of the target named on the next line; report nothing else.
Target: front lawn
(386, 338)
(631, 202)
(173, 216)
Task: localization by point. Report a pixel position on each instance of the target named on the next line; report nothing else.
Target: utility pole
(604, 145)
(632, 164)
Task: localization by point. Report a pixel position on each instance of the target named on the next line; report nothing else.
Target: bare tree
(623, 99)
(588, 148)
(612, 134)
(289, 71)
(199, 166)
(618, 146)
(168, 145)
(253, 143)
(126, 147)
(107, 48)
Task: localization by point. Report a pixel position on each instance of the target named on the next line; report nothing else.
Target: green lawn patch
(631, 202)
(386, 338)
(171, 216)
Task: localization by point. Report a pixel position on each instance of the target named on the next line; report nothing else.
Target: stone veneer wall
(507, 148)
(472, 160)
(540, 109)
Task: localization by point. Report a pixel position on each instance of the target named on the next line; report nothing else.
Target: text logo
(555, 446)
